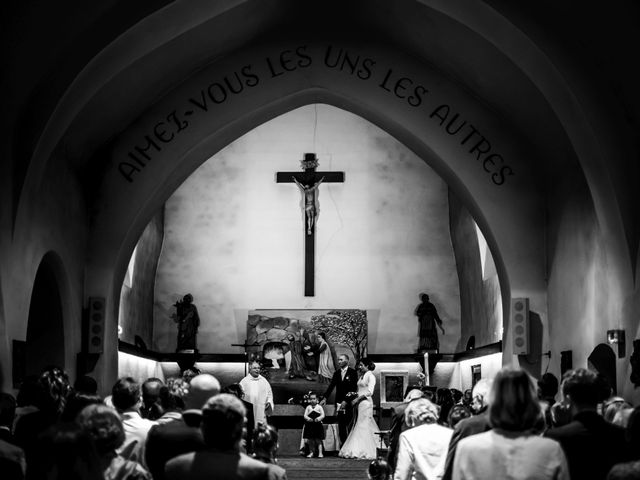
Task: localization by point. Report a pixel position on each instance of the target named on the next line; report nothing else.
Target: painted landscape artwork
(299, 349)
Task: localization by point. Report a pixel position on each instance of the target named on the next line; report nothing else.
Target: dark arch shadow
(603, 360)
(45, 330)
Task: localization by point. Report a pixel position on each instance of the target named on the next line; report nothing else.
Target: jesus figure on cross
(310, 197)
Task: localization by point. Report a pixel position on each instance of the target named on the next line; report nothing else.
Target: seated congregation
(509, 427)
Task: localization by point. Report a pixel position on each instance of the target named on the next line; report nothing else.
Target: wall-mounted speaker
(520, 323)
(95, 325)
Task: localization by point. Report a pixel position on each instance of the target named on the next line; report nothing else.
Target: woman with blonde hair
(423, 448)
(512, 449)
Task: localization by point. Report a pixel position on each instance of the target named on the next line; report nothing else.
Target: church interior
(490, 152)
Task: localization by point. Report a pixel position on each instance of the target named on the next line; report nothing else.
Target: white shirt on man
(257, 390)
(136, 430)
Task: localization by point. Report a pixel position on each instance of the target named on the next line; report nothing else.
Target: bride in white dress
(362, 441)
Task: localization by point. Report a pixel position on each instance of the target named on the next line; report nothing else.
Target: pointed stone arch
(46, 325)
(502, 210)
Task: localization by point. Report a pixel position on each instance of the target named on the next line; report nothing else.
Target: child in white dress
(313, 432)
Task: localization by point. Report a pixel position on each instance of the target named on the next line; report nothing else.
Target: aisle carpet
(301, 468)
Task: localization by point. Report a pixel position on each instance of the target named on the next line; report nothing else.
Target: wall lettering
(476, 144)
(338, 59)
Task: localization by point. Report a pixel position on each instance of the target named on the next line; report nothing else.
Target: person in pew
(169, 440)
(151, 408)
(512, 448)
(379, 469)
(126, 396)
(591, 444)
(398, 425)
(423, 448)
(76, 403)
(52, 389)
(265, 441)
(86, 384)
(64, 451)
(236, 389)
(105, 428)
(478, 423)
(457, 413)
(223, 418)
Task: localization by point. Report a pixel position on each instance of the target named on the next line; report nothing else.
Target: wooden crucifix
(308, 182)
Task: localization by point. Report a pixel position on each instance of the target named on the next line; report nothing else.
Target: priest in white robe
(257, 390)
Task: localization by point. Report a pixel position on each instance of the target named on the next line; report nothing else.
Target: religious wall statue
(188, 321)
(429, 321)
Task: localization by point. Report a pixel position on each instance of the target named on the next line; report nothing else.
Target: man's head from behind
(126, 395)
(582, 389)
(86, 384)
(151, 391)
(222, 422)
(234, 389)
(548, 386)
(201, 389)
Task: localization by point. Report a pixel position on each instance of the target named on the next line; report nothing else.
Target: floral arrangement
(177, 386)
(304, 400)
(351, 396)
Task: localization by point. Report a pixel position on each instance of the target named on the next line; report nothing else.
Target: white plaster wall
(587, 295)
(458, 374)
(234, 238)
(138, 368)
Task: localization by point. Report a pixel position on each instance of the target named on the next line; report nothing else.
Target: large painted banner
(299, 349)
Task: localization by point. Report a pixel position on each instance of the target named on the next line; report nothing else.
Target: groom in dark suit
(344, 380)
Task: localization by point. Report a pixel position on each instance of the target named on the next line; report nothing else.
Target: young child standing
(313, 432)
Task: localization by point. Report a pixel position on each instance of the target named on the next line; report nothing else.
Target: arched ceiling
(74, 62)
(153, 49)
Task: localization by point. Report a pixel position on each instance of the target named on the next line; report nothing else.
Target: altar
(288, 419)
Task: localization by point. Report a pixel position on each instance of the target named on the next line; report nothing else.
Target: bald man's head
(201, 389)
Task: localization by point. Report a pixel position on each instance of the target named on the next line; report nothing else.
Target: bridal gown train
(362, 441)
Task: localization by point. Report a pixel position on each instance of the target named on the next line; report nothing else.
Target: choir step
(301, 468)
